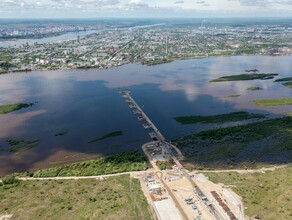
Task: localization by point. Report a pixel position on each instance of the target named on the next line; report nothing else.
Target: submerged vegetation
(253, 188)
(118, 163)
(118, 197)
(109, 135)
(230, 117)
(18, 146)
(266, 142)
(273, 102)
(245, 76)
(61, 133)
(4, 109)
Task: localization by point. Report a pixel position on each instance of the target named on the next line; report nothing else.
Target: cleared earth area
(266, 195)
(112, 198)
(251, 145)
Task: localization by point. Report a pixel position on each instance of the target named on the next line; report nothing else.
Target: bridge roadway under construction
(168, 148)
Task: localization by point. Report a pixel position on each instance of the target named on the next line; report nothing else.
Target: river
(87, 104)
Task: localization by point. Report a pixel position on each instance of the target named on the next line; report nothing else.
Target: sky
(144, 8)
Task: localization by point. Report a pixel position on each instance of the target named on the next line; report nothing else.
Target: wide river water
(62, 37)
(87, 104)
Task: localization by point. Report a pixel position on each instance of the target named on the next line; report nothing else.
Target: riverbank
(117, 163)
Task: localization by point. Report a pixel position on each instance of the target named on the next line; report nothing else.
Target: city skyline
(144, 8)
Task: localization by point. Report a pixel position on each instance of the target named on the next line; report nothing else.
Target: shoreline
(139, 62)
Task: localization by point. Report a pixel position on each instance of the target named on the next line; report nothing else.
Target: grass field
(109, 135)
(273, 102)
(4, 109)
(230, 117)
(252, 145)
(118, 163)
(245, 76)
(115, 198)
(266, 195)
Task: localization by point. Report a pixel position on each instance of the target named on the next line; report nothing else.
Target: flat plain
(114, 198)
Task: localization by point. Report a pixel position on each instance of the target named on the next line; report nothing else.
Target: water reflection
(86, 103)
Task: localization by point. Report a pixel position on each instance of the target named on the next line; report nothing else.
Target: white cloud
(144, 8)
(136, 2)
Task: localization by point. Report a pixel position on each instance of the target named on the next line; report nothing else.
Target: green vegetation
(87, 67)
(156, 62)
(288, 84)
(233, 95)
(254, 88)
(284, 79)
(266, 195)
(4, 109)
(245, 76)
(109, 135)
(113, 198)
(3, 71)
(6, 65)
(287, 81)
(234, 116)
(61, 133)
(273, 102)
(21, 70)
(18, 146)
(165, 165)
(242, 146)
(118, 163)
(288, 113)
(10, 180)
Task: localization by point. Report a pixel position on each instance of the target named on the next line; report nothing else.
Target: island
(229, 117)
(273, 102)
(233, 96)
(284, 79)
(288, 84)
(253, 88)
(4, 109)
(245, 76)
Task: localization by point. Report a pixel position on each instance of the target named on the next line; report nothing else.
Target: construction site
(169, 191)
(176, 193)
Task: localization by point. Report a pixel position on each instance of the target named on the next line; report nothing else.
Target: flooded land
(80, 115)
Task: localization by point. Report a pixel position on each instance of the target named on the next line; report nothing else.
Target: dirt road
(134, 173)
(261, 170)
